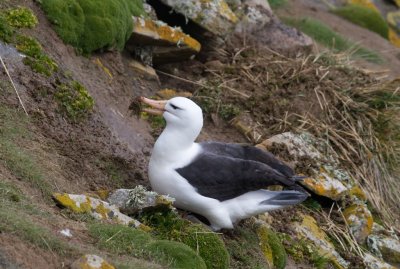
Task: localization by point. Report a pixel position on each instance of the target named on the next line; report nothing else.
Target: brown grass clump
(353, 112)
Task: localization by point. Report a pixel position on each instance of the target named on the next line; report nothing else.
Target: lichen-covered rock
(144, 71)
(360, 221)
(90, 261)
(385, 247)
(95, 207)
(308, 229)
(272, 248)
(134, 200)
(213, 15)
(325, 178)
(256, 14)
(374, 263)
(365, 3)
(169, 43)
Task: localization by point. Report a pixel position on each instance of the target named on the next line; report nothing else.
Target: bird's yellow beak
(157, 106)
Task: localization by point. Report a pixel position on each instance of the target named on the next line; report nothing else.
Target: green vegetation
(168, 225)
(36, 58)
(244, 249)
(323, 34)
(21, 17)
(119, 239)
(74, 100)
(364, 17)
(15, 214)
(90, 25)
(301, 250)
(272, 245)
(14, 126)
(274, 4)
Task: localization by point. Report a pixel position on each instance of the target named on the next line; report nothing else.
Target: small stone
(134, 200)
(360, 221)
(145, 71)
(90, 261)
(374, 263)
(309, 229)
(385, 247)
(245, 124)
(66, 233)
(96, 208)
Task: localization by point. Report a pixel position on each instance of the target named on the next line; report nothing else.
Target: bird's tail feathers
(285, 198)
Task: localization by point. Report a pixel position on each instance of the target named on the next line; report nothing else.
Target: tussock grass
(326, 36)
(274, 4)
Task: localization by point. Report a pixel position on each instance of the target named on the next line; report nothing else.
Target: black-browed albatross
(222, 182)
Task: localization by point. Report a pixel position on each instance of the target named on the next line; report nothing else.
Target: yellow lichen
(360, 219)
(166, 33)
(265, 247)
(66, 201)
(358, 193)
(394, 37)
(103, 194)
(102, 210)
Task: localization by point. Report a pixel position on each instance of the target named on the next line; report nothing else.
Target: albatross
(223, 182)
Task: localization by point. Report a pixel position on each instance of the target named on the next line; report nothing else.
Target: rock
(272, 248)
(96, 208)
(304, 152)
(310, 230)
(145, 71)
(360, 221)
(365, 3)
(393, 19)
(262, 28)
(90, 261)
(374, 263)
(215, 16)
(168, 43)
(386, 247)
(245, 124)
(134, 200)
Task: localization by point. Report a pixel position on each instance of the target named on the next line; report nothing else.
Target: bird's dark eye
(175, 107)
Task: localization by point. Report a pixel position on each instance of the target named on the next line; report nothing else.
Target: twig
(12, 82)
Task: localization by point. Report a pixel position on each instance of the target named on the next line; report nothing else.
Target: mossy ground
(365, 17)
(168, 225)
(91, 25)
(326, 36)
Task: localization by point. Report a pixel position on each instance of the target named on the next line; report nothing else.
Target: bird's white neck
(173, 144)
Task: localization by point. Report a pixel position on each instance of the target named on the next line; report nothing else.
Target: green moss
(74, 100)
(6, 31)
(312, 204)
(274, 4)
(120, 239)
(168, 225)
(91, 25)
(326, 36)
(183, 257)
(364, 17)
(272, 241)
(36, 58)
(21, 17)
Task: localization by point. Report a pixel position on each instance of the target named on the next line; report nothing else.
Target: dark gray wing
(247, 152)
(222, 178)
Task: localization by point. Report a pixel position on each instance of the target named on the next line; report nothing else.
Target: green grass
(90, 25)
(21, 17)
(16, 213)
(13, 131)
(326, 36)
(364, 17)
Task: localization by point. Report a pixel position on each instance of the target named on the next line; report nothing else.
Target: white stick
(12, 82)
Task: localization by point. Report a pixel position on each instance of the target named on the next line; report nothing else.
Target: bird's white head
(183, 116)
